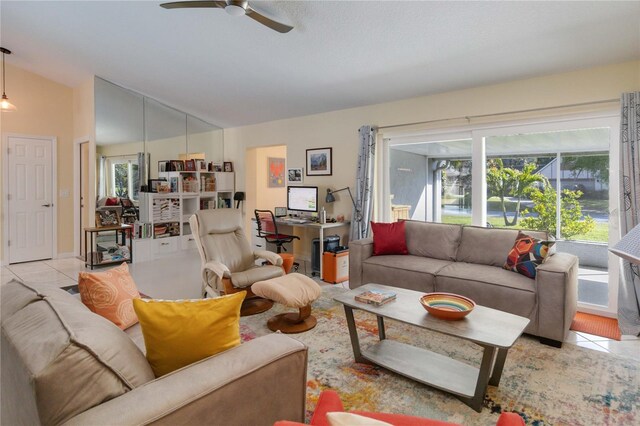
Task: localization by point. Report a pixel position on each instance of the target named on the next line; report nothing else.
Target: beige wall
(338, 129)
(45, 108)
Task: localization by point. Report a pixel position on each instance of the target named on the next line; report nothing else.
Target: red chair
(329, 402)
(268, 229)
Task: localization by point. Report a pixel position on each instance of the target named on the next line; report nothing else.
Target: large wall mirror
(134, 133)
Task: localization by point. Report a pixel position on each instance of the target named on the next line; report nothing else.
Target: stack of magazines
(376, 297)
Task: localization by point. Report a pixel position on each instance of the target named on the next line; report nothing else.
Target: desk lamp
(330, 199)
(628, 247)
(237, 197)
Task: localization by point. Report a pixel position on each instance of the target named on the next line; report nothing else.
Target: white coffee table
(495, 331)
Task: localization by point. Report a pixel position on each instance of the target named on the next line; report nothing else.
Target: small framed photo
(107, 218)
(163, 166)
(295, 175)
(217, 167)
(202, 165)
(228, 166)
(190, 165)
(155, 183)
(319, 162)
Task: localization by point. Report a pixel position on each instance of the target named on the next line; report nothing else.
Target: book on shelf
(376, 297)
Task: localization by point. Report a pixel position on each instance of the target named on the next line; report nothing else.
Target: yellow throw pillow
(109, 294)
(181, 332)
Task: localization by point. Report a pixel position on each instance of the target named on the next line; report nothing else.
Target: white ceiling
(233, 71)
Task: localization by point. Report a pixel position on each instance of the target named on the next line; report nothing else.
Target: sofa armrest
(359, 251)
(557, 288)
(235, 387)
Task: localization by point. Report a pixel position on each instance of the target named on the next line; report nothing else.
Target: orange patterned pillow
(110, 294)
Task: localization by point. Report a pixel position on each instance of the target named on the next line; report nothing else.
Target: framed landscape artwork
(319, 162)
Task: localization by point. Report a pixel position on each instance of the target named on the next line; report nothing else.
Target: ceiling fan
(232, 7)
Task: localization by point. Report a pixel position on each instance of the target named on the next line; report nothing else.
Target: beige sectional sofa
(468, 260)
(63, 364)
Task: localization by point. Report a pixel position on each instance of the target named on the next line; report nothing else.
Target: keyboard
(293, 220)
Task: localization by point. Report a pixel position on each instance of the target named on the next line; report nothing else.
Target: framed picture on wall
(275, 167)
(295, 175)
(319, 162)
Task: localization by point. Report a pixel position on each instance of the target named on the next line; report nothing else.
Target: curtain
(101, 176)
(629, 289)
(364, 184)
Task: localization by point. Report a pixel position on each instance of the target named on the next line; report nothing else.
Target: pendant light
(5, 105)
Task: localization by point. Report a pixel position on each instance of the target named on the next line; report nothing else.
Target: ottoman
(295, 291)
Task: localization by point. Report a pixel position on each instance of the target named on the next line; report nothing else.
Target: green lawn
(600, 232)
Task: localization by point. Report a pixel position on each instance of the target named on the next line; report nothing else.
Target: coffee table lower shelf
(424, 366)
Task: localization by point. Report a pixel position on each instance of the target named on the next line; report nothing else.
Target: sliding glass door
(553, 176)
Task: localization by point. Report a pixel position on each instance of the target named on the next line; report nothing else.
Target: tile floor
(179, 278)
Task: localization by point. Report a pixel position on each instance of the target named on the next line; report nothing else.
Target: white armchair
(228, 263)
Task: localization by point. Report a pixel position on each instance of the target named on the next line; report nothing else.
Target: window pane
(584, 181)
(121, 180)
(513, 183)
(455, 204)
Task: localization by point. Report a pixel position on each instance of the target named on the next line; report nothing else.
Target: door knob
(46, 205)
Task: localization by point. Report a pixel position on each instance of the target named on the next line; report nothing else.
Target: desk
(314, 225)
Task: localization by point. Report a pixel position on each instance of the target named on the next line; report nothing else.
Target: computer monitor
(302, 199)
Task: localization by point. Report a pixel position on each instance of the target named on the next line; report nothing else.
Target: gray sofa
(468, 260)
(63, 364)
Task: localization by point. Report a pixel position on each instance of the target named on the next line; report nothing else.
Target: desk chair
(268, 229)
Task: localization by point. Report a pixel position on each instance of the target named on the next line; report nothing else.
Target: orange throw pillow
(110, 294)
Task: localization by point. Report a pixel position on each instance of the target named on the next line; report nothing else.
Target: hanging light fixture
(5, 105)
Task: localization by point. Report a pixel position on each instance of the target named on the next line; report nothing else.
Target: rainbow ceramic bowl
(447, 306)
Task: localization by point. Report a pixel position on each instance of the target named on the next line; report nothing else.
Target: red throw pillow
(389, 238)
(111, 201)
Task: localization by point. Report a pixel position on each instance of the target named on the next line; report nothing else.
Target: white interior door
(30, 180)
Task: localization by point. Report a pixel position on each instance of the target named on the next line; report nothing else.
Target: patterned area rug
(546, 386)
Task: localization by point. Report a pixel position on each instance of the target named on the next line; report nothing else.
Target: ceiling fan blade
(194, 4)
(277, 26)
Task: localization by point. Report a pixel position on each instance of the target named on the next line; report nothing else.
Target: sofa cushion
(434, 240)
(73, 358)
(389, 238)
(411, 272)
(489, 286)
(179, 333)
(489, 246)
(527, 253)
(110, 294)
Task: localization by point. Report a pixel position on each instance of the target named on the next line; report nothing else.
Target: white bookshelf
(191, 191)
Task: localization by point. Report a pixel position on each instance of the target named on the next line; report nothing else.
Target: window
(549, 175)
(124, 179)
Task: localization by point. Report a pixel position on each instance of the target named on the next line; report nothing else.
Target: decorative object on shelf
(202, 165)
(176, 166)
(163, 166)
(447, 306)
(276, 172)
(319, 162)
(5, 105)
(107, 218)
(153, 184)
(189, 184)
(190, 165)
(330, 199)
(215, 167)
(163, 188)
(228, 166)
(295, 175)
